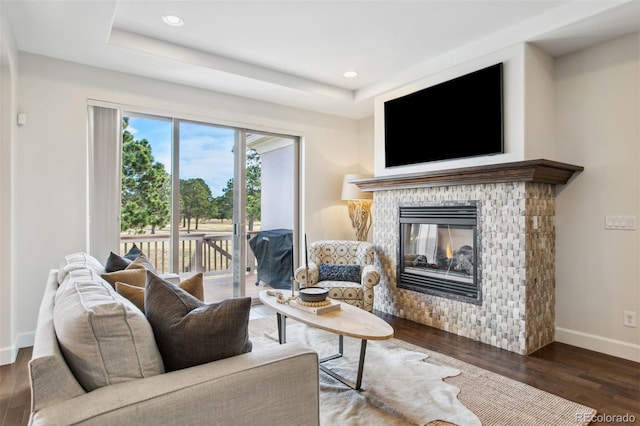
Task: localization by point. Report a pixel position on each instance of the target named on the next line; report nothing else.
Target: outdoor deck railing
(210, 254)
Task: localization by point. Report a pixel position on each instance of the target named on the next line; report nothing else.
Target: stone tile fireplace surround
(516, 223)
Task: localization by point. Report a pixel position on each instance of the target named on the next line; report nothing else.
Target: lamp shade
(350, 191)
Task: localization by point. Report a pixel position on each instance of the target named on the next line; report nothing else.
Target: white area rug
(406, 385)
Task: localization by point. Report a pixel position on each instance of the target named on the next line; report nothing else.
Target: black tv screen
(455, 119)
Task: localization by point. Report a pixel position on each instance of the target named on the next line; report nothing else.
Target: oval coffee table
(346, 321)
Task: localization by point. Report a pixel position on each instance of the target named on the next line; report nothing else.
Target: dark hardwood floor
(15, 395)
(610, 385)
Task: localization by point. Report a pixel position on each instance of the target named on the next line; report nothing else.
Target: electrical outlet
(630, 318)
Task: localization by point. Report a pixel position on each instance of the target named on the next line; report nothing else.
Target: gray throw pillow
(339, 272)
(133, 253)
(190, 332)
(115, 262)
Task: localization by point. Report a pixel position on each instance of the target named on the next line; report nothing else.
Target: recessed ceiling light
(350, 74)
(173, 20)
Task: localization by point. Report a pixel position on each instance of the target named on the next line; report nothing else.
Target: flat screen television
(459, 118)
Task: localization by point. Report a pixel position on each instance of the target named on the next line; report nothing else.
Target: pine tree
(146, 187)
(224, 203)
(196, 201)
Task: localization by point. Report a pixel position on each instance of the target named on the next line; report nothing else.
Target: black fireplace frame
(461, 215)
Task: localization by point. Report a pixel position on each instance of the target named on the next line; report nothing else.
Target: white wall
(598, 127)
(365, 158)
(278, 189)
(513, 105)
(8, 111)
(581, 109)
(50, 161)
(528, 93)
(596, 116)
(539, 105)
(366, 145)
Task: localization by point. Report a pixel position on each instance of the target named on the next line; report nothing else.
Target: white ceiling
(294, 52)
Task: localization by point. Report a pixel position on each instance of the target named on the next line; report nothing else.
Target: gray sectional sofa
(119, 379)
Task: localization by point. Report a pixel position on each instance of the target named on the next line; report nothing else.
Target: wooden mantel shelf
(541, 171)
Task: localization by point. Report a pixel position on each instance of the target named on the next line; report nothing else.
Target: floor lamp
(359, 203)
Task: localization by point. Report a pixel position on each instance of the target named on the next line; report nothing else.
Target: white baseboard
(9, 354)
(599, 344)
(25, 339)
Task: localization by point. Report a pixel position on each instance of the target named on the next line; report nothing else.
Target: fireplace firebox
(439, 251)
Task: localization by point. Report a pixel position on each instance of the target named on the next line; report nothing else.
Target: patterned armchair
(343, 267)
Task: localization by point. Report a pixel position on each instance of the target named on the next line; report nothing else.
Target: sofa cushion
(84, 274)
(77, 261)
(50, 377)
(189, 332)
(135, 293)
(105, 339)
(339, 272)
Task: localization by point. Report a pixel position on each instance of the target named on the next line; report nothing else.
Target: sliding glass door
(193, 194)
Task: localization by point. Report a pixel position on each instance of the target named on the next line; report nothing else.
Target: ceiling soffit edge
(156, 47)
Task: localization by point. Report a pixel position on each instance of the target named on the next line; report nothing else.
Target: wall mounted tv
(459, 118)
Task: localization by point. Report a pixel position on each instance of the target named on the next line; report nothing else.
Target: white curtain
(105, 168)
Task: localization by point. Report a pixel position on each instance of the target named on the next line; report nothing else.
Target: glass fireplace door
(439, 250)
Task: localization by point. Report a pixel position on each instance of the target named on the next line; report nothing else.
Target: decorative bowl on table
(313, 294)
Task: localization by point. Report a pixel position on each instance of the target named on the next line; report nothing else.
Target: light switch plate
(620, 222)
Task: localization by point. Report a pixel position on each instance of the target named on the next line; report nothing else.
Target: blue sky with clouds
(205, 151)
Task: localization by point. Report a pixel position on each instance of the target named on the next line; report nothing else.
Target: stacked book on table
(332, 306)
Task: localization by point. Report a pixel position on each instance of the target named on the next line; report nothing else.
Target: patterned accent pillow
(189, 332)
(339, 272)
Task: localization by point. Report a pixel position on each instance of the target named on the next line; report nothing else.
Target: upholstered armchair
(345, 268)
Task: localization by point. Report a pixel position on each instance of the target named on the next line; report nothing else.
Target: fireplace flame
(449, 251)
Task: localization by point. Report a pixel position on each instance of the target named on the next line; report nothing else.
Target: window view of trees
(146, 191)
(146, 187)
(224, 204)
(254, 175)
(196, 202)
(169, 160)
